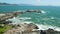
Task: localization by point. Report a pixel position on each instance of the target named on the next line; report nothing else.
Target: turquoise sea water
(50, 19)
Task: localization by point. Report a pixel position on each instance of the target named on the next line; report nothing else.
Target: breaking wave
(44, 22)
(45, 27)
(16, 20)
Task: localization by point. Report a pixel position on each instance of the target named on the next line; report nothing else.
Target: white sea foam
(24, 18)
(27, 22)
(45, 27)
(43, 11)
(17, 20)
(52, 18)
(41, 27)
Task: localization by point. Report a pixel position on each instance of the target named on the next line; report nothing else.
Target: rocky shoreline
(23, 28)
(29, 29)
(6, 16)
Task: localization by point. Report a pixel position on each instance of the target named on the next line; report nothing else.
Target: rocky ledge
(21, 28)
(6, 16)
(29, 29)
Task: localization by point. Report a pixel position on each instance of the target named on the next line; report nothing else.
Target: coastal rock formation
(49, 31)
(37, 11)
(6, 16)
(52, 31)
(27, 29)
(19, 28)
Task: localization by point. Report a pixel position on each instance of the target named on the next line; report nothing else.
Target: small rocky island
(6, 27)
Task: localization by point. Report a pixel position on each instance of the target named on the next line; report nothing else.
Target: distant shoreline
(8, 5)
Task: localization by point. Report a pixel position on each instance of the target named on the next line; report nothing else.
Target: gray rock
(19, 28)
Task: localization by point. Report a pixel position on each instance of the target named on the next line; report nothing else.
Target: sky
(34, 2)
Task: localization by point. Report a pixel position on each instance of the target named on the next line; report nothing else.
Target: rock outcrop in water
(37, 11)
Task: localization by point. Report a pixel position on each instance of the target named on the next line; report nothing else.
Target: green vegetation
(5, 28)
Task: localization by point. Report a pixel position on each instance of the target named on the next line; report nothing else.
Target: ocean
(50, 19)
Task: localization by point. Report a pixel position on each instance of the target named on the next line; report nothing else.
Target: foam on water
(41, 26)
(24, 18)
(45, 27)
(43, 11)
(28, 22)
(17, 20)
